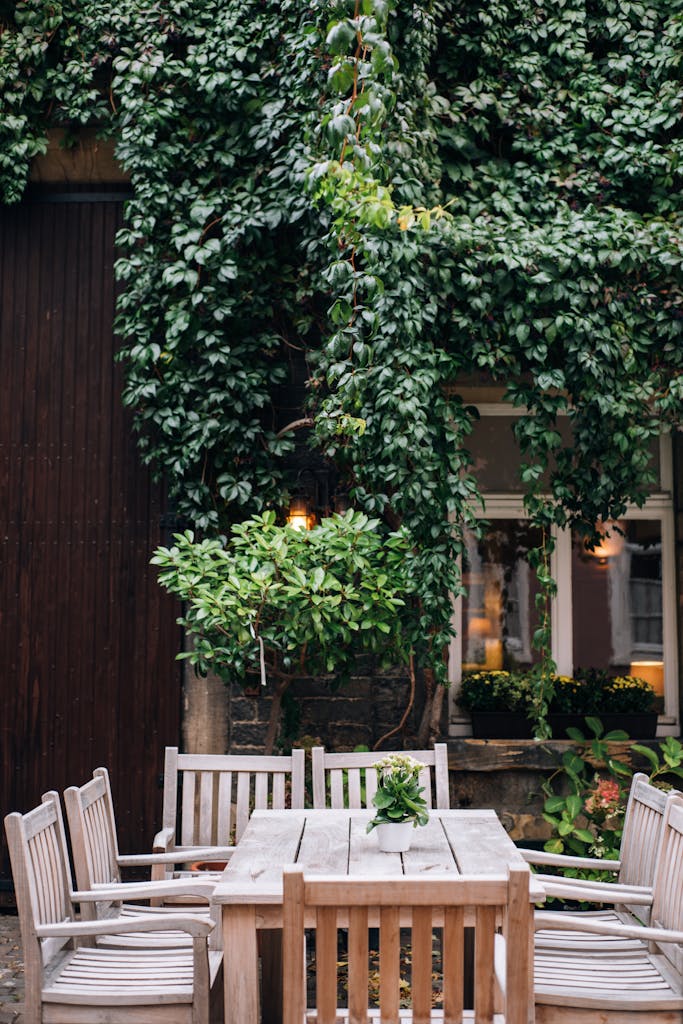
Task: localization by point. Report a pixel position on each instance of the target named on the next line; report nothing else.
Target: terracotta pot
(208, 865)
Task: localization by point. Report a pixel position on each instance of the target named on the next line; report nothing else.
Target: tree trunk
(274, 716)
(429, 727)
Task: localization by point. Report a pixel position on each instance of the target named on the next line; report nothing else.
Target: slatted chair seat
(69, 979)
(501, 982)
(349, 779)
(641, 984)
(103, 976)
(97, 863)
(208, 800)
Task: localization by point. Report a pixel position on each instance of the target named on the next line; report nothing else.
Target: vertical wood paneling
(88, 639)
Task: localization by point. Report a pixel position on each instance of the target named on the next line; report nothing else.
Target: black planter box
(514, 725)
(501, 725)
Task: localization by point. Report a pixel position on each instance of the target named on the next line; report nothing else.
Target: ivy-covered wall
(402, 194)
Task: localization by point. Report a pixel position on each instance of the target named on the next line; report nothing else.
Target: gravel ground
(11, 971)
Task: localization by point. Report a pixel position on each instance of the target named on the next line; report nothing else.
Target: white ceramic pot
(394, 836)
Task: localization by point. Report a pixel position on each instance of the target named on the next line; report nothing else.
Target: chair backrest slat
(350, 779)
(389, 964)
(359, 962)
(453, 953)
(188, 834)
(208, 798)
(224, 809)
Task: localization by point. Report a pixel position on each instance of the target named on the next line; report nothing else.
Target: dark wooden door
(88, 639)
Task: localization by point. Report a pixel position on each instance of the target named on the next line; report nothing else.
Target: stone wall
(338, 717)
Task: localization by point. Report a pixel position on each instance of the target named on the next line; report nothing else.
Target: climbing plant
(406, 196)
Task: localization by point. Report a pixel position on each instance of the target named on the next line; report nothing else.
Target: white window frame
(659, 505)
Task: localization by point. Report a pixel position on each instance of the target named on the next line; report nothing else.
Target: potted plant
(499, 703)
(399, 802)
(626, 703)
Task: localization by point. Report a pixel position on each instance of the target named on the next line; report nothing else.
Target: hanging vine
(412, 195)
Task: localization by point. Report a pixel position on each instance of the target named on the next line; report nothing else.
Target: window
(615, 607)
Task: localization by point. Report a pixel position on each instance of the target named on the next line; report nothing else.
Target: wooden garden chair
(634, 871)
(419, 904)
(98, 863)
(640, 984)
(208, 799)
(350, 780)
(71, 979)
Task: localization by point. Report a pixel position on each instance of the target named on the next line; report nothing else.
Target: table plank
(430, 851)
(365, 857)
(254, 872)
(324, 848)
(480, 845)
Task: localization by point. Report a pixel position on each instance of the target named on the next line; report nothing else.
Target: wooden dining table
(330, 842)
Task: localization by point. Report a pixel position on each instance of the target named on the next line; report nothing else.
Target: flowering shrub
(494, 691)
(586, 796)
(399, 794)
(627, 693)
(590, 692)
(604, 799)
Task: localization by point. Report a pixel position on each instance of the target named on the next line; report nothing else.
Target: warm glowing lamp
(299, 515)
(611, 542)
(652, 672)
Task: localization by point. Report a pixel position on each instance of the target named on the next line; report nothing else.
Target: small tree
(278, 603)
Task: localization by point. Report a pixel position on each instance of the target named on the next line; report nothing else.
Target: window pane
(499, 612)
(617, 602)
(496, 453)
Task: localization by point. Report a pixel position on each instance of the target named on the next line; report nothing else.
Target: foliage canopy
(408, 195)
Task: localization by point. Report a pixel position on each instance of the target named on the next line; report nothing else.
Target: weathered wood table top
(330, 842)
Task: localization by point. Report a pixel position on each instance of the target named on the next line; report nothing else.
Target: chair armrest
(588, 883)
(567, 861)
(164, 840)
(195, 926)
(145, 890)
(544, 919)
(176, 856)
(591, 893)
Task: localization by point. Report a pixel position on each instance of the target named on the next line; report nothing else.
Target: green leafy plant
(585, 797)
(399, 794)
(273, 602)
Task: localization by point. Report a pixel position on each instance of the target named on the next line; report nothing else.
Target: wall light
(611, 542)
(300, 515)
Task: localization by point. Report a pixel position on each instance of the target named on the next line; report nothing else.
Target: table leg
(530, 971)
(240, 964)
(270, 943)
